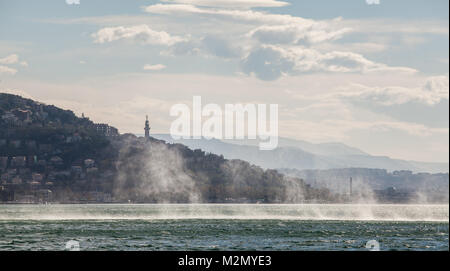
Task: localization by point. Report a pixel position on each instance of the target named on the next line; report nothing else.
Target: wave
(344, 212)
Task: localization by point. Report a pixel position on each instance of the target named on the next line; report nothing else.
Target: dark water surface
(224, 227)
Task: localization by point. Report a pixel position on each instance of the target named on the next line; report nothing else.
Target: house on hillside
(18, 161)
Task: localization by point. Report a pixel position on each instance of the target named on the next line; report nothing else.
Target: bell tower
(147, 128)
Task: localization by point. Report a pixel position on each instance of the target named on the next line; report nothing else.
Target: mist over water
(157, 172)
(343, 212)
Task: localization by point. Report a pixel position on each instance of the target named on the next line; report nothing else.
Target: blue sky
(371, 76)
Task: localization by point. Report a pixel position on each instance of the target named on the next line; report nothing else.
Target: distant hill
(302, 155)
(328, 149)
(429, 187)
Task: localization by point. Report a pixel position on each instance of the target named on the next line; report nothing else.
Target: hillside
(49, 154)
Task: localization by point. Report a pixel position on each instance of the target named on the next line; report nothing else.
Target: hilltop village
(43, 147)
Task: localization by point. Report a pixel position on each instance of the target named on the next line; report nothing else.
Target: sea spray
(338, 212)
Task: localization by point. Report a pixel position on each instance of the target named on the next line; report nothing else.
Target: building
(31, 144)
(76, 170)
(15, 143)
(21, 114)
(6, 195)
(18, 161)
(17, 180)
(56, 161)
(37, 177)
(392, 195)
(9, 118)
(45, 147)
(3, 162)
(31, 160)
(43, 195)
(106, 130)
(88, 163)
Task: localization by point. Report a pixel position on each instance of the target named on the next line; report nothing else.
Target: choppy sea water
(224, 227)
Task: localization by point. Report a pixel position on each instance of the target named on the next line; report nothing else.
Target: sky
(372, 74)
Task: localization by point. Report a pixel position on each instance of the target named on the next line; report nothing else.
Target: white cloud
(309, 32)
(231, 3)
(438, 86)
(356, 47)
(386, 25)
(432, 92)
(11, 59)
(270, 62)
(281, 44)
(138, 33)
(366, 25)
(156, 67)
(207, 46)
(247, 16)
(7, 70)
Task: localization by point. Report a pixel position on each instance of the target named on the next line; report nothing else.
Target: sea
(189, 227)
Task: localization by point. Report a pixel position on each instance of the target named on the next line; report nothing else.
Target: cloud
(270, 62)
(308, 32)
(356, 47)
(137, 33)
(422, 103)
(390, 26)
(206, 46)
(231, 3)
(277, 44)
(435, 90)
(156, 67)
(220, 47)
(437, 86)
(247, 16)
(11, 59)
(7, 70)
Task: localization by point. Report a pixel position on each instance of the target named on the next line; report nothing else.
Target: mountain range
(301, 155)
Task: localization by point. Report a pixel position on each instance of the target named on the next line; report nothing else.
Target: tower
(351, 188)
(147, 128)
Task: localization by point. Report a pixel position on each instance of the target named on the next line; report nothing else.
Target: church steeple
(147, 128)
